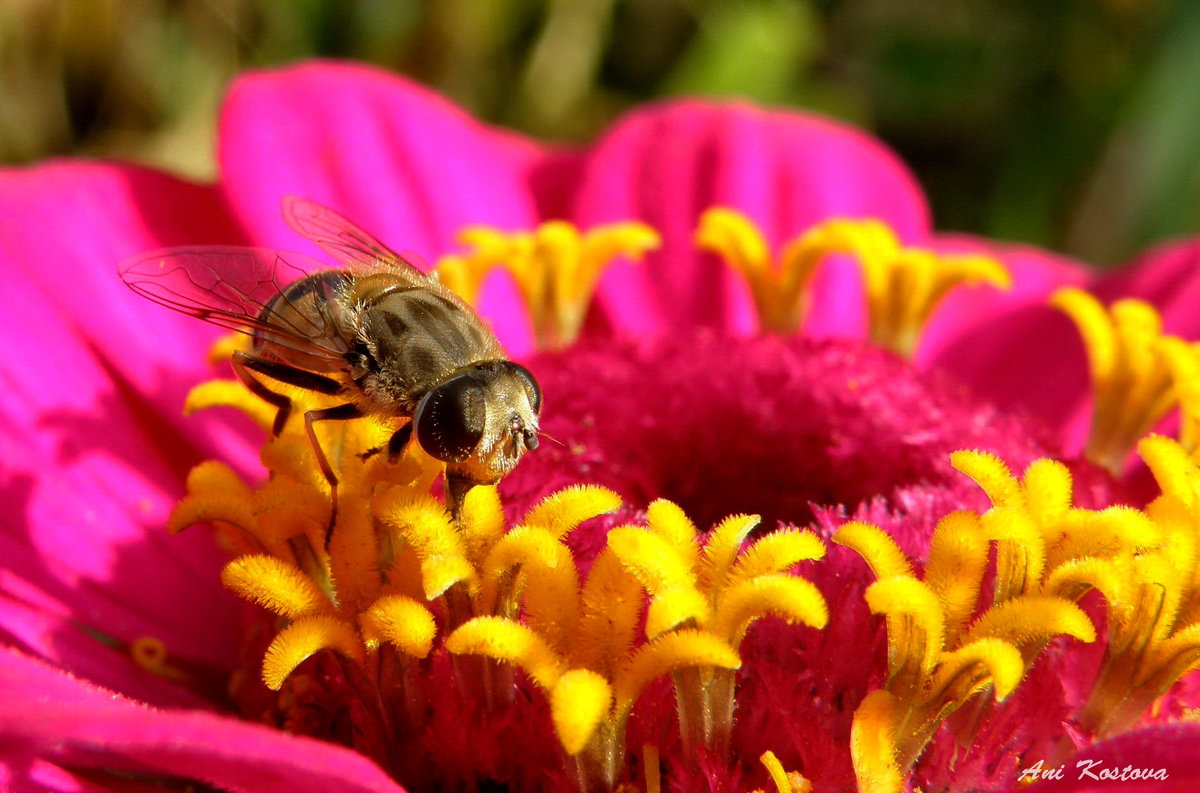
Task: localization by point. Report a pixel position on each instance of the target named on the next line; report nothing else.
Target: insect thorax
(410, 339)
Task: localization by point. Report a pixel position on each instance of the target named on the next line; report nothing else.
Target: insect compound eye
(449, 421)
(531, 385)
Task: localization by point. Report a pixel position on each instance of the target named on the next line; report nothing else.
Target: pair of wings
(232, 286)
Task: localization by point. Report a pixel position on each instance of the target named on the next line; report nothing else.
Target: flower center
(394, 628)
(764, 425)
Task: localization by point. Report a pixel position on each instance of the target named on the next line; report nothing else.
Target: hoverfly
(377, 332)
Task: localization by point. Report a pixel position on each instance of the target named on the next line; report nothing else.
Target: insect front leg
(243, 364)
(398, 441)
(395, 445)
(246, 365)
(337, 413)
(457, 488)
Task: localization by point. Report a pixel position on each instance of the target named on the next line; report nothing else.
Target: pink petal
(668, 163)
(396, 159)
(65, 228)
(54, 716)
(52, 634)
(1010, 346)
(92, 475)
(1169, 277)
(1171, 748)
(1020, 353)
(21, 773)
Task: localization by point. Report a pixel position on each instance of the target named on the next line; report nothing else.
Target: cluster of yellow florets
(944, 649)
(399, 575)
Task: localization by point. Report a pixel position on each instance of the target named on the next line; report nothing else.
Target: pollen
(556, 268)
(1138, 374)
(903, 285)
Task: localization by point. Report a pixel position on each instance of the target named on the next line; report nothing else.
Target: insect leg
(456, 491)
(395, 445)
(338, 413)
(243, 364)
(398, 441)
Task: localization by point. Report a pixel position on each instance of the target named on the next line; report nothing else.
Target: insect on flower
(377, 332)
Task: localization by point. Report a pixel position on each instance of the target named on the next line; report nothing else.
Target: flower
(120, 639)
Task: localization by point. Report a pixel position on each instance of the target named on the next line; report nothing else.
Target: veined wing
(232, 287)
(345, 241)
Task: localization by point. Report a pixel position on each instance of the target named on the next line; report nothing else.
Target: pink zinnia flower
(127, 665)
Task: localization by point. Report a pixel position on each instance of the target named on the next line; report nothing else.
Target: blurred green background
(1073, 124)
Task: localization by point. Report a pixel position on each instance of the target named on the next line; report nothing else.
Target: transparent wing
(345, 241)
(231, 287)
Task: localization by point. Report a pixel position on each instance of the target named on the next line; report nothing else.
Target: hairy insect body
(383, 337)
(410, 339)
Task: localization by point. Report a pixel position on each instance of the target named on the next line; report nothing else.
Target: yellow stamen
(790, 598)
(720, 587)
(1032, 619)
(511, 642)
(916, 630)
(229, 393)
(464, 275)
(873, 744)
(969, 669)
(275, 585)
(903, 285)
(579, 702)
(424, 523)
(721, 550)
(991, 474)
(784, 782)
(935, 662)
(610, 607)
(563, 511)
(1183, 361)
(225, 346)
(556, 269)
(958, 557)
(653, 560)
(482, 522)
(666, 519)
(674, 608)
(667, 653)
(399, 621)
(304, 638)
(1131, 372)
(876, 547)
(775, 553)
(1153, 600)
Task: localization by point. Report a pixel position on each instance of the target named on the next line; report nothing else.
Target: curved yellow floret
(556, 268)
(903, 285)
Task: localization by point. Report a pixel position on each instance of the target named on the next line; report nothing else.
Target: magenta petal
(667, 164)
(395, 158)
(1172, 748)
(1167, 276)
(92, 477)
(66, 227)
(55, 716)
(22, 773)
(1010, 346)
